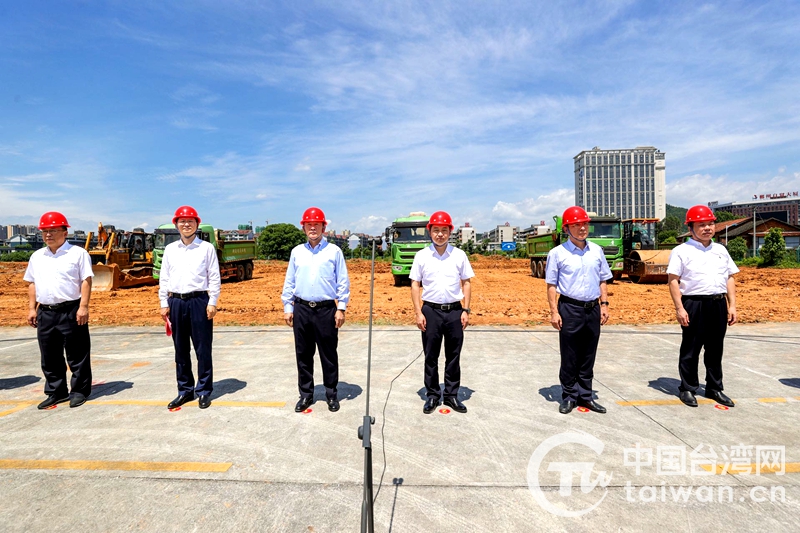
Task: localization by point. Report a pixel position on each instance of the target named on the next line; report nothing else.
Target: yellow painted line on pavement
(160, 403)
(772, 400)
(26, 464)
(661, 402)
(744, 469)
(19, 407)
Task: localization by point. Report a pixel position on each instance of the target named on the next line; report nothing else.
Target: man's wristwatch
(603, 303)
(467, 309)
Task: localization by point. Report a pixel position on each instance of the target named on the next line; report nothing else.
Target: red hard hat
(440, 218)
(699, 213)
(52, 219)
(574, 215)
(313, 214)
(185, 211)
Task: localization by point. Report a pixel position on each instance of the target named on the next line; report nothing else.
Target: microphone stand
(364, 431)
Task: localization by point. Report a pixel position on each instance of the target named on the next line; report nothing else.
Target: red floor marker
(174, 409)
(50, 408)
(583, 409)
(721, 407)
(307, 411)
(444, 411)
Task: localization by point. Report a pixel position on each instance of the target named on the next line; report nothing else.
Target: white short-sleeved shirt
(441, 275)
(702, 270)
(577, 273)
(189, 268)
(58, 276)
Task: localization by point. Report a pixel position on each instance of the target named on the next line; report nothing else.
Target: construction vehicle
(235, 257)
(606, 232)
(406, 236)
(645, 260)
(629, 246)
(120, 259)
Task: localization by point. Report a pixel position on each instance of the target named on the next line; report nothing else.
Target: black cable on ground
(383, 423)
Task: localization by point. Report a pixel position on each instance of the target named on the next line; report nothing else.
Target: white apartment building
(628, 183)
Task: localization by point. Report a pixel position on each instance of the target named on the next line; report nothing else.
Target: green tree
(672, 223)
(277, 241)
(737, 248)
(774, 247)
(671, 226)
(668, 237)
(724, 216)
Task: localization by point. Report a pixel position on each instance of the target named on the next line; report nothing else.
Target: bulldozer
(121, 259)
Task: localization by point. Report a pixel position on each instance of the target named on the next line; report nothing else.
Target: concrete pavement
(512, 463)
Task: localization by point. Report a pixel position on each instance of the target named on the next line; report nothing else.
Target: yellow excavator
(121, 259)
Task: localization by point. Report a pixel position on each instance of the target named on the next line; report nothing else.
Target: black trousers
(58, 332)
(190, 322)
(442, 325)
(708, 322)
(316, 328)
(578, 338)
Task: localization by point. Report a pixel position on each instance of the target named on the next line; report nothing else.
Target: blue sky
(121, 111)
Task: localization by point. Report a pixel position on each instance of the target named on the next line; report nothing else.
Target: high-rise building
(628, 183)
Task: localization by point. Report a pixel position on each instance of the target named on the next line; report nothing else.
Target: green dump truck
(606, 232)
(405, 237)
(235, 257)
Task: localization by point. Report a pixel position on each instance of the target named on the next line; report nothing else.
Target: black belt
(705, 297)
(579, 303)
(444, 307)
(313, 305)
(187, 295)
(61, 306)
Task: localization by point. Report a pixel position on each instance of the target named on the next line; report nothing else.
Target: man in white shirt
(440, 280)
(60, 277)
(703, 291)
(189, 286)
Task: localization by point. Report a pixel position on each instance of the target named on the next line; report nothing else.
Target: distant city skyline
(122, 112)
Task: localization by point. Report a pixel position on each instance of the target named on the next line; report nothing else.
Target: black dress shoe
(180, 400)
(566, 407)
(594, 406)
(719, 397)
(455, 405)
(205, 401)
(77, 400)
(303, 404)
(52, 400)
(333, 405)
(430, 405)
(688, 398)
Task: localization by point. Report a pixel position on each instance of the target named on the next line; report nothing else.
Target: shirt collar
(569, 245)
(63, 248)
(190, 245)
(699, 245)
(322, 244)
(447, 250)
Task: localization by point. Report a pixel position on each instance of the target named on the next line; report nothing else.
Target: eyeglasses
(51, 231)
(440, 231)
(187, 223)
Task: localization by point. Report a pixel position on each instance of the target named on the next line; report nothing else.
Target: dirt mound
(503, 293)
